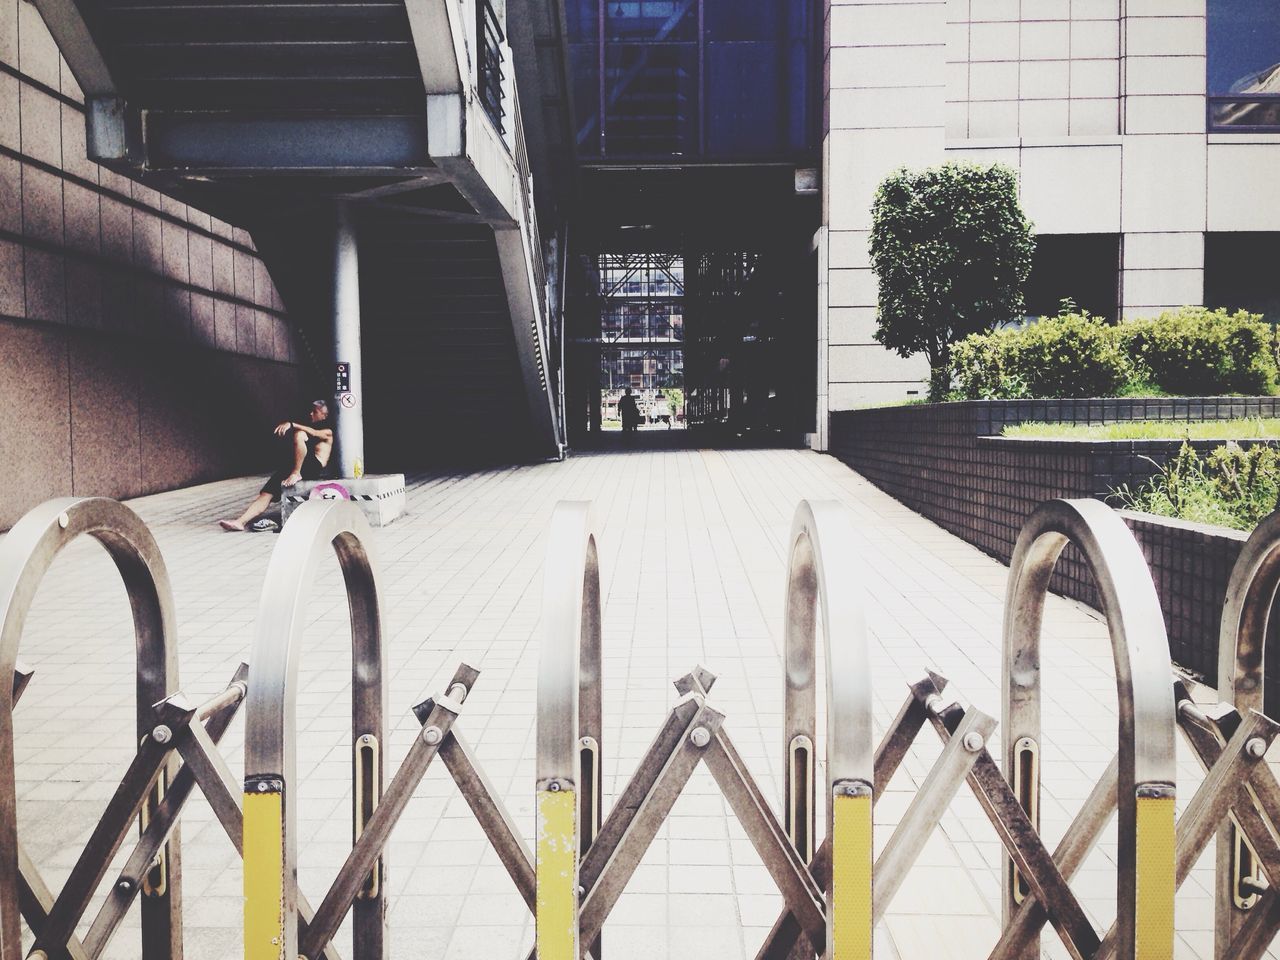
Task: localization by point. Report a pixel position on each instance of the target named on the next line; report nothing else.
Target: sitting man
(309, 448)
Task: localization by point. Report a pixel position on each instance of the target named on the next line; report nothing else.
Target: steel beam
(196, 142)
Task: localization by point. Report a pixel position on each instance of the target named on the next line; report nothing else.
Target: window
(1244, 65)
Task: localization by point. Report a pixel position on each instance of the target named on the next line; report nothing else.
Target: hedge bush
(1191, 351)
(1073, 355)
(1199, 351)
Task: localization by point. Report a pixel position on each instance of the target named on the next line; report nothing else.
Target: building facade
(1145, 134)
(143, 345)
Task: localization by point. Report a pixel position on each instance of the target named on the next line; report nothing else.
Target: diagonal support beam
(437, 717)
(893, 748)
(1024, 845)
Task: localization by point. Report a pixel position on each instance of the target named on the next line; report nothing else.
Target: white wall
(1100, 106)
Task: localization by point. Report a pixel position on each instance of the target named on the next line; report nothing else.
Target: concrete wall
(1100, 106)
(142, 344)
(946, 462)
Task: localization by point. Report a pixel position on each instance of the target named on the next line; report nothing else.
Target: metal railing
(490, 77)
(834, 889)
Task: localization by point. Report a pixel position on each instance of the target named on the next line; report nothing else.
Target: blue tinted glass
(690, 79)
(1244, 46)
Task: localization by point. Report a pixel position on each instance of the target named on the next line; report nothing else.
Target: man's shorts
(312, 469)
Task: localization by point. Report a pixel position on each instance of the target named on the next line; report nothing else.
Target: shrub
(1233, 486)
(1074, 355)
(951, 250)
(1199, 351)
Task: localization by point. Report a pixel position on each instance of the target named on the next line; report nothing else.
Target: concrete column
(1165, 158)
(348, 400)
(884, 96)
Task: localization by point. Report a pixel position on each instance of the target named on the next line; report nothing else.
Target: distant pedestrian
(310, 445)
(629, 412)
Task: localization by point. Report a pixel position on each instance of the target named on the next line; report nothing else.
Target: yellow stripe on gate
(1153, 923)
(851, 878)
(557, 875)
(263, 876)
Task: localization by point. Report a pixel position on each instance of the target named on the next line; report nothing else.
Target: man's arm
(287, 426)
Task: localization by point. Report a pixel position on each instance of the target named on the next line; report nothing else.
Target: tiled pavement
(692, 557)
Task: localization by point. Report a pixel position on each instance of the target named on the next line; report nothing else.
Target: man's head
(319, 411)
(628, 391)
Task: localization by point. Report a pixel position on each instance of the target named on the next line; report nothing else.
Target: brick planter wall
(947, 462)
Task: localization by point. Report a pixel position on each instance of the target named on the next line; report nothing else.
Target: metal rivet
(585, 741)
(63, 520)
(457, 692)
(366, 739)
(162, 734)
(263, 786)
(554, 786)
(125, 885)
(973, 741)
(700, 736)
(432, 735)
(1256, 748)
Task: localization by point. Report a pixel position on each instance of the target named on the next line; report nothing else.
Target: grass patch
(1231, 486)
(1253, 428)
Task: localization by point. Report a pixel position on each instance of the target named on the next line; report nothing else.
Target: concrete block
(957, 81)
(1009, 156)
(1095, 79)
(1046, 10)
(957, 125)
(41, 205)
(1164, 184)
(1163, 287)
(46, 286)
(1095, 9)
(75, 158)
(1164, 36)
(10, 195)
(105, 386)
(853, 326)
(1045, 40)
(381, 497)
(83, 217)
(10, 124)
(956, 46)
(148, 243)
(1095, 39)
(852, 288)
(13, 297)
(1146, 76)
(1045, 80)
(888, 24)
(1163, 251)
(41, 124)
(1072, 189)
(993, 81)
(994, 10)
(1174, 114)
(224, 324)
(1043, 118)
(993, 41)
(848, 249)
(860, 159)
(37, 53)
(246, 329)
(1166, 8)
(9, 31)
(1244, 192)
(889, 109)
(1095, 117)
(995, 120)
(84, 294)
(880, 67)
(117, 230)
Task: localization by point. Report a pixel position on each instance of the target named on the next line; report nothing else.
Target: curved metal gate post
(1145, 792)
(26, 554)
(271, 783)
(1251, 592)
(568, 761)
(822, 543)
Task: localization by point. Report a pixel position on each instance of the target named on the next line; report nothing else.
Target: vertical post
(348, 397)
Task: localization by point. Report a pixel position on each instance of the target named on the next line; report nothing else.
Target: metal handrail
(823, 545)
(569, 725)
(316, 529)
(26, 553)
(1147, 721)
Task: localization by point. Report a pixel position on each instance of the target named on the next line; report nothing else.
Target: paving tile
(692, 552)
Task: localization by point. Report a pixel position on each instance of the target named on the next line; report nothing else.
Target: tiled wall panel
(945, 462)
(142, 343)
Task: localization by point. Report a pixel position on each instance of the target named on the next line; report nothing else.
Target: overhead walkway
(406, 114)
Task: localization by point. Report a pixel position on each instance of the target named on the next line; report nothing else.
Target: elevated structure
(377, 154)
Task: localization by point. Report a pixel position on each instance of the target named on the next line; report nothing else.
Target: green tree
(951, 249)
